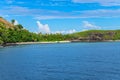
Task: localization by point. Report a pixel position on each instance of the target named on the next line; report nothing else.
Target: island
(11, 34)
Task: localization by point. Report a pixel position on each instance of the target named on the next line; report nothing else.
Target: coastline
(27, 43)
(53, 42)
(95, 41)
(43, 42)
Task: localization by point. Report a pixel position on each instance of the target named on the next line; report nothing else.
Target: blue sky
(65, 16)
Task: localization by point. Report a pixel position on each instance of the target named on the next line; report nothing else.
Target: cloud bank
(41, 14)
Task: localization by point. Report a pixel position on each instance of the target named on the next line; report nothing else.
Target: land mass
(16, 34)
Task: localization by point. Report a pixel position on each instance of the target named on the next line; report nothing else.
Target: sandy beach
(43, 42)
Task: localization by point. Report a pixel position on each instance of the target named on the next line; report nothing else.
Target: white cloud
(43, 28)
(16, 22)
(71, 31)
(65, 31)
(102, 2)
(87, 25)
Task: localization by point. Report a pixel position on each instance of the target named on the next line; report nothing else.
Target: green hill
(97, 35)
(10, 33)
(5, 23)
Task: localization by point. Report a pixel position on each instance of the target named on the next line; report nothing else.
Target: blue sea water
(69, 61)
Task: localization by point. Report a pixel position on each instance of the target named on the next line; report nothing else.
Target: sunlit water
(73, 61)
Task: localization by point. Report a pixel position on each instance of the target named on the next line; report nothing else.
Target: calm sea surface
(69, 61)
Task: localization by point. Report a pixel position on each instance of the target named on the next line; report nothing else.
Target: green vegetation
(98, 35)
(13, 21)
(16, 33)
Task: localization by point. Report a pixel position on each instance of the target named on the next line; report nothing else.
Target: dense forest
(10, 33)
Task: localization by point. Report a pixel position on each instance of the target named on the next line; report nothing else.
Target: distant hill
(96, 35)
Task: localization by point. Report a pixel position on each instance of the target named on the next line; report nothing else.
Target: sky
(62, 16)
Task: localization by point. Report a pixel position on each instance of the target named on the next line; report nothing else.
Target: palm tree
(13, 21)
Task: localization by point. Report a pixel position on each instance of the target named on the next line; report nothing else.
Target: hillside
(10, 33)
(96, 35)
(5, 23)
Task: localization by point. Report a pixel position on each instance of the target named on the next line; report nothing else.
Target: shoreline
(43, 42)
(27, 43)
(53, 42)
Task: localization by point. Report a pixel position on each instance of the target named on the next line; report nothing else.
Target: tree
(13, 21)
(19, 26)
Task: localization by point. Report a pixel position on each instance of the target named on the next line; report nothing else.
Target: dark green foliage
(12, 35)
(19, 26)
(13, 21)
